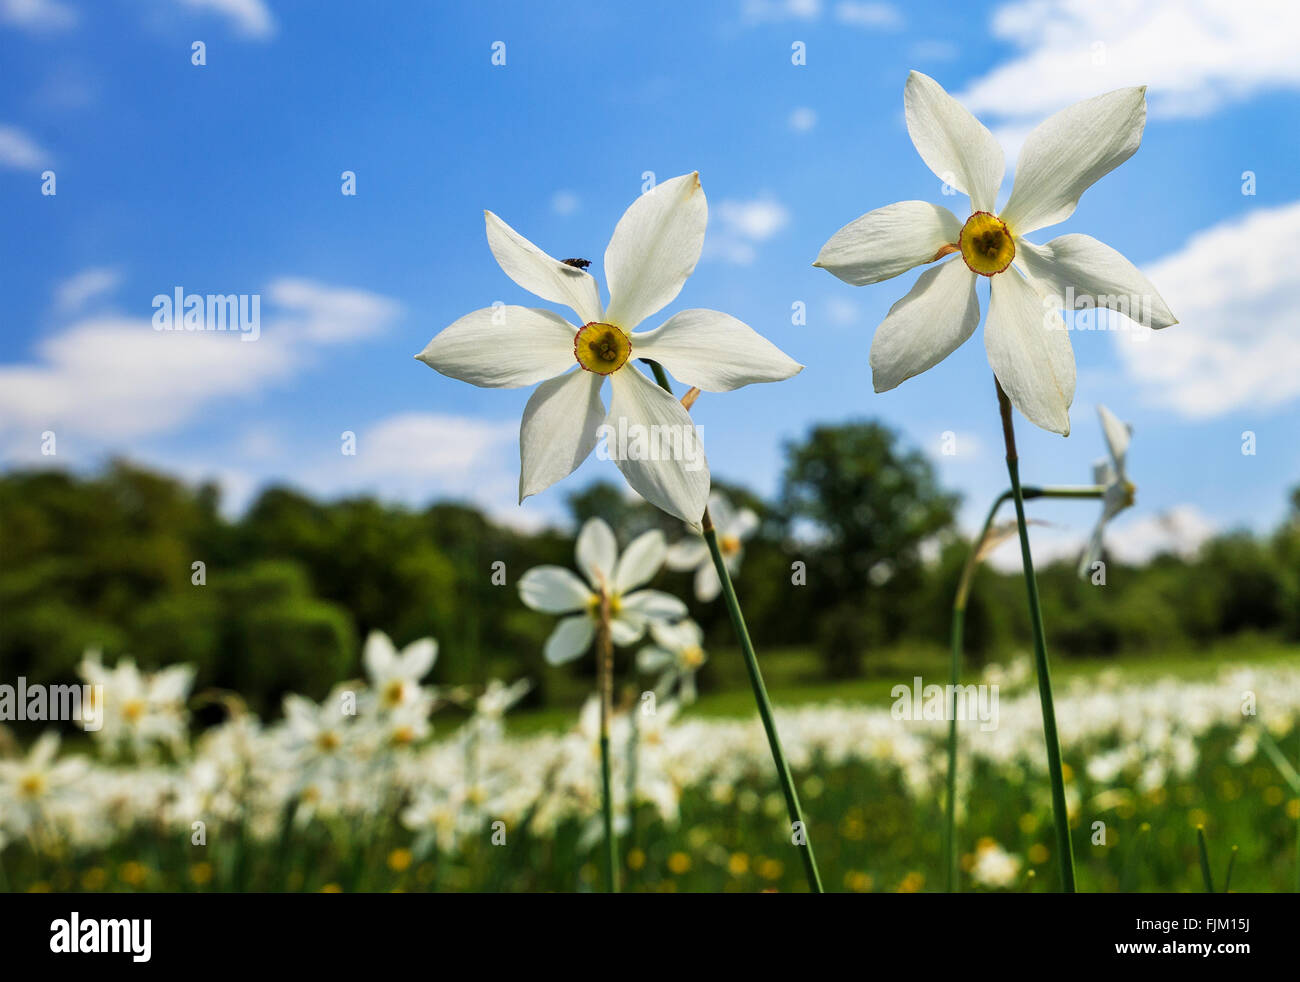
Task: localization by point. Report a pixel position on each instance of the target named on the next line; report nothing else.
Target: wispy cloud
(319, 312)
(417, 457)
(803, 119)
(770, 11)
(19, 151)
(740, 225)
(250, 18)
(854, 13)
(38, 16)
(873, 16)
(1134, 538)
(109, 378)
(843, 312)
(564, 203)
(933, 50)
(1233, 287)
(77, 292)
(1196, 55)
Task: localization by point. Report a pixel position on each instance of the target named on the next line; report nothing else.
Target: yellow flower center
(729, 545)
(31, 786)
(328, 741)
(692, 657)
(601, 348)
(986, 244)
(133, 709)
(394, 693)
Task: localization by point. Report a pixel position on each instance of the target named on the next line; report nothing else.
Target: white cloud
(446, 449)
(250, 18)
(1181, 530)
(741, 225)
(408, 458)
(115, 377)
(38, 16)
(1233, 287)
(20, 151)
(874, 16)
(730, 250)
(1196, 55)
(758, 219)
(934, 49)
(1132, 538)
(855, 13)
(803, 119)
(331, 314)
(76, 292)
(417, 457)
(768, 11)
(110, 378)
(842, 312)
(564, 203)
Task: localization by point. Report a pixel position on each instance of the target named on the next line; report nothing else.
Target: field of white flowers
(359, 792)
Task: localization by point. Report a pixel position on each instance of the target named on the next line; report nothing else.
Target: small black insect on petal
(577, 263)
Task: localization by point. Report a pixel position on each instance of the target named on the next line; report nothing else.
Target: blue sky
(226, 178)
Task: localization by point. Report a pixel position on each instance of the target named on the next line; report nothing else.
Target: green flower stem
(950, 802)
(764, 707)
(659, 374)
(1206, 875)
(633, 751)
(958, 645)
(1292, 778)
(605, 679)
(756, 682)
(1064, 849)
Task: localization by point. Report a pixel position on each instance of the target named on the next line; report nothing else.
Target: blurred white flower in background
(993, 866)
(320, 736)
(324, 766)
(30, 786)
(609, 579)
(497, 700)
(676, 655)
(1110, 472)
(733, 527)
(395, 677)
(141, 712)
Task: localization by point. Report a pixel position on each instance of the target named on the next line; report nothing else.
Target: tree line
(283, 595)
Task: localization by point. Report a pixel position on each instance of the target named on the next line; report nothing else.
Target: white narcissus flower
(1111, 473)
(677, 653)
(30, 784)
(654, 248)
(396, 676)
(733, 528)
(491, 707)
(556, 590)
(1026, 339)
(498, 698)
(140, 709)
(319, 735)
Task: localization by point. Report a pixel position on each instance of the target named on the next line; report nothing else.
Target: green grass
(872, 835)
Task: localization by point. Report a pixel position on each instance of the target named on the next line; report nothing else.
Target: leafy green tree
(862, 506)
